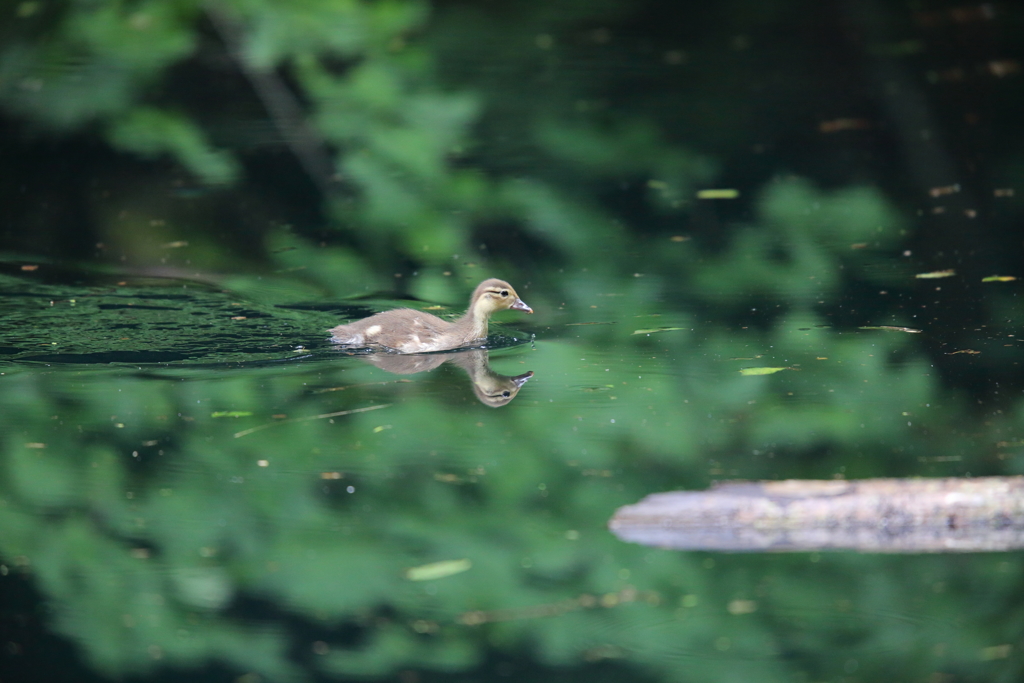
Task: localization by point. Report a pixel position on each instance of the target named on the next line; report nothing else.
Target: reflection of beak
(520, 305)
(520, 380)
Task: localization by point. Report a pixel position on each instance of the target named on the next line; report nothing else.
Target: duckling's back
(402, 329)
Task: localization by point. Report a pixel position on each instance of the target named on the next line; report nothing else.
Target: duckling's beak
(520, 380)
(520, 305)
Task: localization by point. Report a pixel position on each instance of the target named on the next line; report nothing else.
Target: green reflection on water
(163, 531)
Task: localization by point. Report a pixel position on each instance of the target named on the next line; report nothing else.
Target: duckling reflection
(491, 389)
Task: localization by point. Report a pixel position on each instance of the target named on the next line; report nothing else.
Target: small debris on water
(890, 328)
(652, 330)
(762, 371)
(437, 570)
(721, 193)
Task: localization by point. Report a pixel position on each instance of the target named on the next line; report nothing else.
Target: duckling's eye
(504, 292)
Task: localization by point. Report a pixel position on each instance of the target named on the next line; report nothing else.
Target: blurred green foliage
(409, 180)
(70, 65)
(150, 131)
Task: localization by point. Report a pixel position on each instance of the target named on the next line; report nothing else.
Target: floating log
(869, 515)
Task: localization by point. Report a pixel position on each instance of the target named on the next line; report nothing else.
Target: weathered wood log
(869, 515)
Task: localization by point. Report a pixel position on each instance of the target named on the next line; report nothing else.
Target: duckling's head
(497, 295)
(496, 390)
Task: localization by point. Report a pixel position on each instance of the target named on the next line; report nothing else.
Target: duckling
(408, 331)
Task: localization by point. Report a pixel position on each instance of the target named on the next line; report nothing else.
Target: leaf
(999, 278)
(761, 371)
(718, 194)
(231, 413)
(657, 329)
(890, 328)
(437, 570)
(936, 274)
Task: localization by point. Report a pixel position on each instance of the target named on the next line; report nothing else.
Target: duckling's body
(409, 331)
(491, 389)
